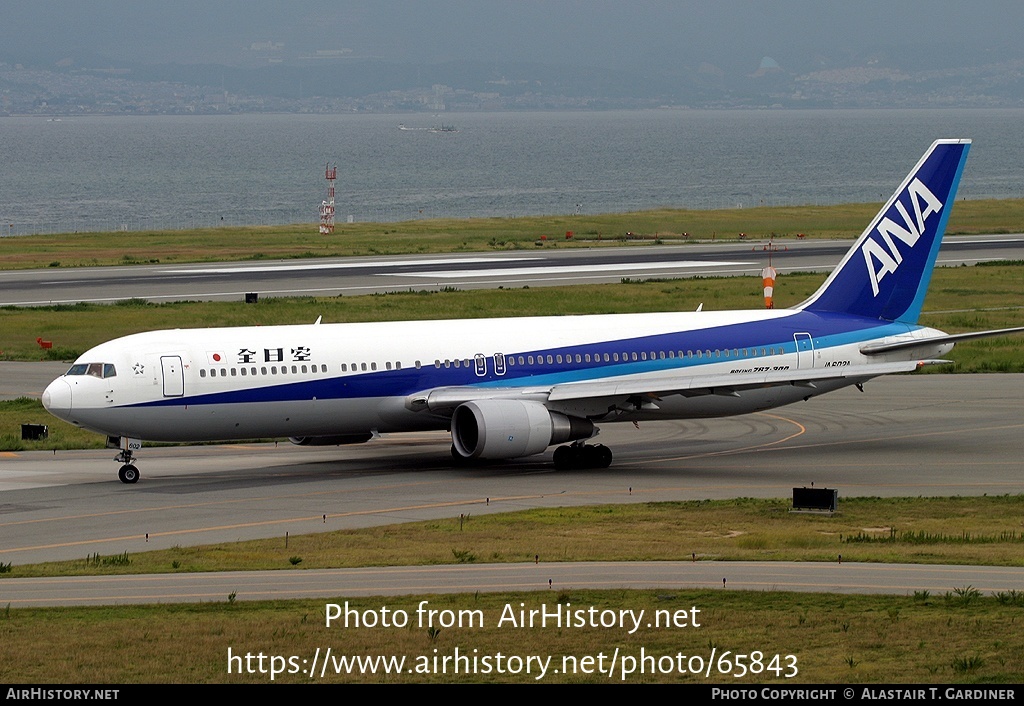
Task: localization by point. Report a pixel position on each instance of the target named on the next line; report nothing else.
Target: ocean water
(139, 172)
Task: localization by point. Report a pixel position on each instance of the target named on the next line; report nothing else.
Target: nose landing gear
(128, 473)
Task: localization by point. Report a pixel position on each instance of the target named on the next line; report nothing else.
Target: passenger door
(174, 377)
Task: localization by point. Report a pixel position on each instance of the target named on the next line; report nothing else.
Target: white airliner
(508, 388)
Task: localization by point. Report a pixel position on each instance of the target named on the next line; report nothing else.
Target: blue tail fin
(885, 274)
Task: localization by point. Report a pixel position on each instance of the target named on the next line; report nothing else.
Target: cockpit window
(97, 370)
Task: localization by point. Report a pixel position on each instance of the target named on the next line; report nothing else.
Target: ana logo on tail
(884, 257)
(900, 246)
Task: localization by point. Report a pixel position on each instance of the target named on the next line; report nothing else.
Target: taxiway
(933, 435)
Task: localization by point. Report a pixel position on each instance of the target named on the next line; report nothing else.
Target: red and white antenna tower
(327, 206)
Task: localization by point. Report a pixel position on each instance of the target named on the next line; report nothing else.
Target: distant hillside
(91, 84)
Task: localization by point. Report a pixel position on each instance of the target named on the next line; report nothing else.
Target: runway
(362, 275)
(934, 435)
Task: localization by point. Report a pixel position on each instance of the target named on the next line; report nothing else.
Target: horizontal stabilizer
(876, 348)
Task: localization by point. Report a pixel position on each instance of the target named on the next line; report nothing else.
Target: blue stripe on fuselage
(826, 330)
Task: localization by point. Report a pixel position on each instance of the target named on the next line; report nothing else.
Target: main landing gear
(577, 456)
(128, 473)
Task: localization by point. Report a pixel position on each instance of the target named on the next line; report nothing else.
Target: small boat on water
(442, 128)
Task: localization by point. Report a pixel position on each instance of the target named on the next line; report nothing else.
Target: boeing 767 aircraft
(508, 388)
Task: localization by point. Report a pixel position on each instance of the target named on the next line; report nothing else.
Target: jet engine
(512, 428)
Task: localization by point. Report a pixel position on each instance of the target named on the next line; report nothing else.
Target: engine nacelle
(512, 428)
(337, 440)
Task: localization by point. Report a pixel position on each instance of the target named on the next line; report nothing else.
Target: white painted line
(975, 241)
(346, 265)
(566, 269)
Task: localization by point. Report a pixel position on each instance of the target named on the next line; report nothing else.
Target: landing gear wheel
(128, 474)
(563, 458)
(580, 456)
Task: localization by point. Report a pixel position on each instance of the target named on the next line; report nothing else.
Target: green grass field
(957, 637)
(476, 234)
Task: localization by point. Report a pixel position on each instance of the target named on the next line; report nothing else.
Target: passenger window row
(624, 357)
(263, 370)
(511, 360)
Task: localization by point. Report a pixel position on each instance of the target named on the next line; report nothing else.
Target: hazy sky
(601, 33)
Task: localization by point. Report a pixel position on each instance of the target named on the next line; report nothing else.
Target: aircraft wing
(444, 400)
(694, 385)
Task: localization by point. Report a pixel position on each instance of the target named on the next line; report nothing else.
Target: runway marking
(564, 269)
(917, 435)
(801, 429)
(975, 241)
(346, 265)
(92, 282)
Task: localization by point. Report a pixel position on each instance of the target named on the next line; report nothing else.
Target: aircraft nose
(57, 398)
